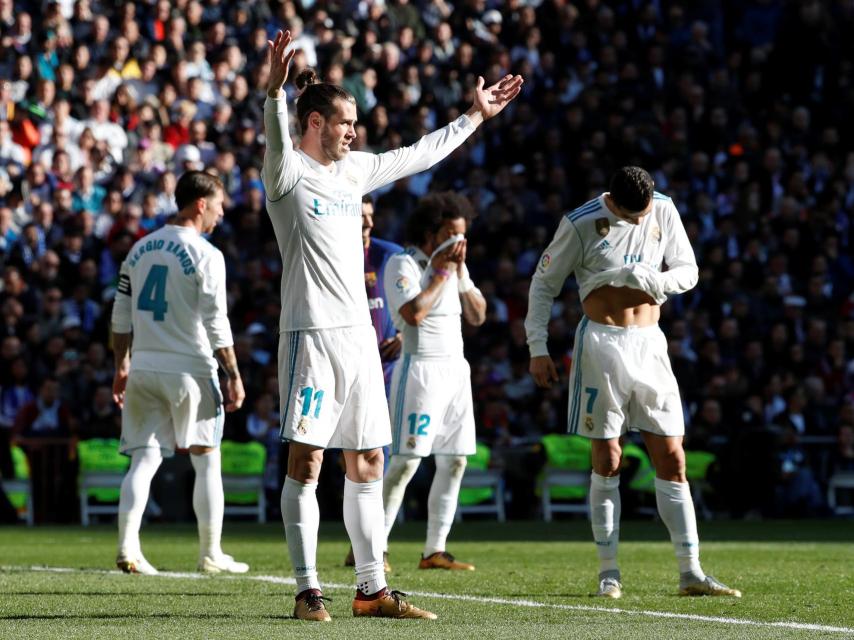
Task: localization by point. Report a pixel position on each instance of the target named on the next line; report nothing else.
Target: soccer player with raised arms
(171, 303)
(629, 252)
(331, 379)
(429, 290)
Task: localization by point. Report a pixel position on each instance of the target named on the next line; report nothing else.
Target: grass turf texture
(789, 571)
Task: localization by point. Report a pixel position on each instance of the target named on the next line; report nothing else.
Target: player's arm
(280, 171)
(682, 273)
(213, 309)
(416, 308)
(471, 299)
(559, 259)
(385, 168)
(121, 322)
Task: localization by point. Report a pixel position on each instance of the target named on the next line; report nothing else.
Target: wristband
(441, 272)
(465, 285)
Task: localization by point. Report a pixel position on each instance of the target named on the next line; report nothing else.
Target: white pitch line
(801, 626)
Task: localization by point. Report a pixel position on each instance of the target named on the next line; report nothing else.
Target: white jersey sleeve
(385, 168)
(213, 305)
(401, 283)
(121, 319)
(558, 261)
(281, 170)
(682, 273)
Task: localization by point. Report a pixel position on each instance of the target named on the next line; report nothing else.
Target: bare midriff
(621, 307)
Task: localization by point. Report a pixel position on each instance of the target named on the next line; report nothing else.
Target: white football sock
(301, 516)
(676, 508)
(208, 502)
(397, 477)
(363, 518)
(133, 497)
(442, 502)
(605, 518)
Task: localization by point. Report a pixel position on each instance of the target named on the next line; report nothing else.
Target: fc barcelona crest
(371, 278)
(603, 226)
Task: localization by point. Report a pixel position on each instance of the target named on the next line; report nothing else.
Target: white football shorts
(430, 405)
(331, 389)
(621, 379)
(171, 411)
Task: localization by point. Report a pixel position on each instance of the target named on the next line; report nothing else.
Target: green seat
(644, 478)
(482, 488)
(697, 464)
(101, 456)
(566, 475)
(479, 461)
(243, 478)
(19, 494)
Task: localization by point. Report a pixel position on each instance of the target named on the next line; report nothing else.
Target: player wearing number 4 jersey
(171, 302)
(616, 245)
(429, 289)
(331, 379)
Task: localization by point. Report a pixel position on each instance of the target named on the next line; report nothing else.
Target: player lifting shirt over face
(628, 251)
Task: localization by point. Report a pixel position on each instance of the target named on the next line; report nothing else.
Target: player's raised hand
(280, 60)
(543, 371)
(491, 100)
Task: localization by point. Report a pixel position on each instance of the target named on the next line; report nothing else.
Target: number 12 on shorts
(418, 424)
(309, 395)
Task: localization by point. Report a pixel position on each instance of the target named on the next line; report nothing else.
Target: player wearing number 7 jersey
(628, 251)
(331, 379)
(171, 303)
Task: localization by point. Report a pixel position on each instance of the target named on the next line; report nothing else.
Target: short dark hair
(367, 199)
(632, 188)
(193, 185)
(317, 96)
(432, 211)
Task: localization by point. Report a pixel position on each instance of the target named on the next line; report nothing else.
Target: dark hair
(432, 211)
(317, 96)
(194, 185)
(367, 199)
(632, 188)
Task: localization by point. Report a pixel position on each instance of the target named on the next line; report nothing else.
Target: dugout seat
(243, 478)
(482, 489)
(843, 480)
(697, 465)
(566, 476)
(102, 469)
(18, 489)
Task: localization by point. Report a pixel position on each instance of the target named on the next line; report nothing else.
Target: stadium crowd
(740, 109)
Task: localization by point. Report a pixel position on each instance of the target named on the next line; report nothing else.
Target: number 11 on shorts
(308, 395)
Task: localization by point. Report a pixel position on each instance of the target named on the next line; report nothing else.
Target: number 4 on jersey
(153, 295)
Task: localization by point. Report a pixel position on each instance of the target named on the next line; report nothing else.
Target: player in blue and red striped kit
(377, 253)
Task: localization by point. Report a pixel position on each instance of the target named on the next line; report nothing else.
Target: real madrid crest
(655, 234)
(302, 425)
(411, 442)
(588, 422)
(603, 226)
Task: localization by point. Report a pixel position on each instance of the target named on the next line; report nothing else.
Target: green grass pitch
(532, 581)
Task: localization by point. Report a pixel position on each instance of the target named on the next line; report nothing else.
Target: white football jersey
(317, 216)
(440, 334)
(601, 249)
(172, 295)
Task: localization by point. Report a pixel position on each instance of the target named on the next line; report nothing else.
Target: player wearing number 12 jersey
(171, 303)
